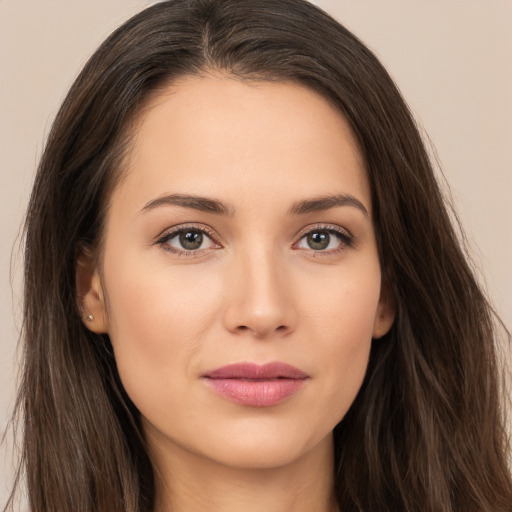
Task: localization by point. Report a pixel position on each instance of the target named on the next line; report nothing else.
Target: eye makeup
(191, 240)
(324, 238)
(191, 237)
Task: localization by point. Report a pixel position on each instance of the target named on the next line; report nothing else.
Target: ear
(90, 296)
(386, 312)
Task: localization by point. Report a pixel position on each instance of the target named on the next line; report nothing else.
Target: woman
(242, 287)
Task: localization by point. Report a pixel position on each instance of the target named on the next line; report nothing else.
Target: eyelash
(169, 235)
(346, 239)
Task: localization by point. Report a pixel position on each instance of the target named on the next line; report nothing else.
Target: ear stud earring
(90, 317)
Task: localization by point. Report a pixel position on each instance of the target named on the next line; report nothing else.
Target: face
(240, 283)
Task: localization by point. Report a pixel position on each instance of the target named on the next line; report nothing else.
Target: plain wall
(452, 60)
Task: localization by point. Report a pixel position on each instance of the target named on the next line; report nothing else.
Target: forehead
(220, 136)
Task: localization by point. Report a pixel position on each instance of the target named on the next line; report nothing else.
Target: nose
(260, 297)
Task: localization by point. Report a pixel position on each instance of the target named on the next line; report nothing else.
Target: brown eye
(318, 240)
(187, 240)
(191, 240)
(325, 240)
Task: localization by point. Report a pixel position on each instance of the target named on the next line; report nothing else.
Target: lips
(255, 385)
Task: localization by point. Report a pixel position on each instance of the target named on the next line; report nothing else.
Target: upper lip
(276, 370)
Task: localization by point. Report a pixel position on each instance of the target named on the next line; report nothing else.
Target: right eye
(185, 241)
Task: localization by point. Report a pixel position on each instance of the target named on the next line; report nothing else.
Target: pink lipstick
(254, 385)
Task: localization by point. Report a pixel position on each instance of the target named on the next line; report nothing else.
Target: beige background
(451, 58)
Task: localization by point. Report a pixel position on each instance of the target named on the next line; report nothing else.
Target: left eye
(188, 240)
(323, 240)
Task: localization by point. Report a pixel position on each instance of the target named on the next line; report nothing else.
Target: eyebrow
(325, 203)
(209, 205)
(203, 204)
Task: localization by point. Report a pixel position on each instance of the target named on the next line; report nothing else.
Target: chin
(264, 448)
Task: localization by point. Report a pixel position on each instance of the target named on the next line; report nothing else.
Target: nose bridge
(260, 298)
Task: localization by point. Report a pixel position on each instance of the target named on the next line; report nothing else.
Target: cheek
(342, 305)
(157, 319)
(341, 319)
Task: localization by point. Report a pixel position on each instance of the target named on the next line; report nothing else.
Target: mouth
(255, 385)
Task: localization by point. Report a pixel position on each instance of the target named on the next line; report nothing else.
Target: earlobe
(90, 294)
(386, 312)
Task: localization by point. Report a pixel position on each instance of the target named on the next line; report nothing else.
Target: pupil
(191, 239)
(319, 240)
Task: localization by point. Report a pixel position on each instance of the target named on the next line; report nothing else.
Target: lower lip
(256, 393)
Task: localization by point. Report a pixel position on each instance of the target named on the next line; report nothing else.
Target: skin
(255, 290)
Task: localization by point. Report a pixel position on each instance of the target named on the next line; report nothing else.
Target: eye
(325, 240)
(187, 240)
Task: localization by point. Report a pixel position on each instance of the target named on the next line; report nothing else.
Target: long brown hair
(426, 431)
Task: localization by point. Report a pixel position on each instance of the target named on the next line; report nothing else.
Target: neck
(186, 482)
